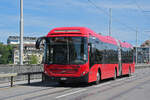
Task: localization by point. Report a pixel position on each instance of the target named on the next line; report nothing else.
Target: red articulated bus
(77, 54)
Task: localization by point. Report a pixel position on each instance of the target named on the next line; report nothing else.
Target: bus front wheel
(62, 83)
(98, 77)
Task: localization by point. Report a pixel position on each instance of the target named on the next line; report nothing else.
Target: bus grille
(64, 71)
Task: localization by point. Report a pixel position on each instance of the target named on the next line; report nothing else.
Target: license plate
(63, 78)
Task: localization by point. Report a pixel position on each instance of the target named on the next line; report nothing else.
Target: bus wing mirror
(89, 44)
(38, 42)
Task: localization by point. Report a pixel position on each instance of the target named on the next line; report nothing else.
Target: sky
(40, 16)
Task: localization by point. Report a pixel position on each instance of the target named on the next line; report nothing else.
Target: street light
(136, 45)
(21, 32)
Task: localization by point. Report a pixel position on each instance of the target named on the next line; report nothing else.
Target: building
(16, 39)
(143, 52)
(28, 49)
(143, 55)
(146, 44)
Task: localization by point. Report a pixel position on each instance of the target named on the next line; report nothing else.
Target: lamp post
(21, 32)
(110, 21)
(136, 46)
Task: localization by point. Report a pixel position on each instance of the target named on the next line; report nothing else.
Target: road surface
(136, 87)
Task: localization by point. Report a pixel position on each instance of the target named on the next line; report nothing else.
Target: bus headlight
(83, 73)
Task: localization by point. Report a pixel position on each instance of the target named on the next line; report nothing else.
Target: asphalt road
(136, 87)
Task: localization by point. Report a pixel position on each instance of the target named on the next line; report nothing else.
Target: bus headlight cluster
(83, 73)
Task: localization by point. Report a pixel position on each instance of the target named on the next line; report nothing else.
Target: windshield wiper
(67, 51)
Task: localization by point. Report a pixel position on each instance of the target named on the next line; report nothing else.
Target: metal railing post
(11, 82)
(28, 78)
(43, 77)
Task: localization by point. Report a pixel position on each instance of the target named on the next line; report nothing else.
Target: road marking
(70, 93)
(103, 84)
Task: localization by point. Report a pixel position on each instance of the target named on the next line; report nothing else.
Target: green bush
(33, 59)
(6, 54)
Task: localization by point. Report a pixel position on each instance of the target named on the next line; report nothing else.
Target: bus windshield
(66, 50)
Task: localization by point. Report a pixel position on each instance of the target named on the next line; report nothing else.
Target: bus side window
(96, 51)
(92, 51)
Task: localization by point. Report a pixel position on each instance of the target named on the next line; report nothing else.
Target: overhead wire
(142, 11)
(116, 20)
(140, 8)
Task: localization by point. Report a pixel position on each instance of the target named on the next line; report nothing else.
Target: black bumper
(69, 79)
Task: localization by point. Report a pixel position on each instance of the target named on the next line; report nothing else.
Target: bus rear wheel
(129, 74)
(115, 75)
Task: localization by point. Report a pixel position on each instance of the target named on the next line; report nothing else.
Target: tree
(33, 59)
(6, 54)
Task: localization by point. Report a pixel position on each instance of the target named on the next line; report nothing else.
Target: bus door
(92, 63)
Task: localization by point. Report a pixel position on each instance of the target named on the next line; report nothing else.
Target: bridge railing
(4, 69)
(12, 75)
(20, 73)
